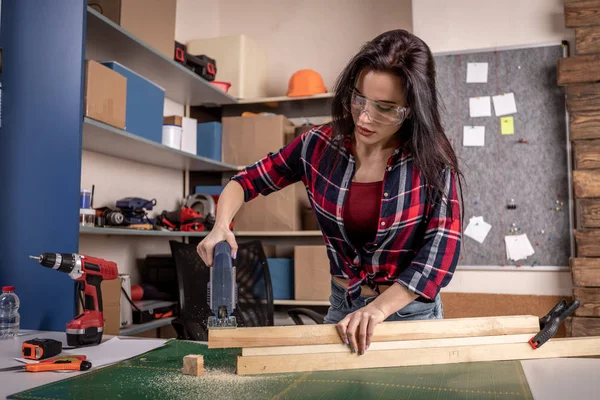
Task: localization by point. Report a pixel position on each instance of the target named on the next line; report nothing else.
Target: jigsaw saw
(222, 289)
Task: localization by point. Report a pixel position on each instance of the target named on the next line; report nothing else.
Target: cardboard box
(111, 303)
(249, 139)
(189, 135)
(145, 104)
(240, 61)
(105, 94)
(152, 21)
(312, 275)
(279, 211)
(176, 120)
(209, 137)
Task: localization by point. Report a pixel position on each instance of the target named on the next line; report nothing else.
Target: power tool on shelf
(222, 289)
(88, 272)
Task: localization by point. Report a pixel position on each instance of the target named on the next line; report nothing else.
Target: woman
(382, 179)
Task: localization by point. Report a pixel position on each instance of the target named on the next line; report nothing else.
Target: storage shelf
(106, 139)
(107, 41)
(263, 100)
(140, 232)
(301, 303)
(135, 232)
(139, 328)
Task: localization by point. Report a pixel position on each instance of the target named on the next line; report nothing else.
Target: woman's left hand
(360, 324)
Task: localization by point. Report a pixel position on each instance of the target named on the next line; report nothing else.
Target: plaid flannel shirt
(417, 243)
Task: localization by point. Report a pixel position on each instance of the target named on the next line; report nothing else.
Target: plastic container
(87, 216)
(171, 136)
(85, 199)
(9, 313)
(224, 86)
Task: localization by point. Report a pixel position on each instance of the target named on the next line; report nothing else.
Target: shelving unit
(140, 232)
(324, 303)
(107, 41)
(139, 328)
(102, 138)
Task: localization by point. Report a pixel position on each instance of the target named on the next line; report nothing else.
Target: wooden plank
(561, 347)
(579, 69)
(586, 183)
(588, 243)
(384, 332)
(584, 125)
(584, 326)
(402, 344)
(589, 299)
(586, 154)
(585, 271)
(584, 97)
(582, 13)
(587, 40)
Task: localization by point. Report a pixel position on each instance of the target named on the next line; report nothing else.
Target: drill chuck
(63, 262)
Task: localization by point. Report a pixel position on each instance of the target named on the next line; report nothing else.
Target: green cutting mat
(157, 375)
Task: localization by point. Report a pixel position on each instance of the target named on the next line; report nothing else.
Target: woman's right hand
(206, 248)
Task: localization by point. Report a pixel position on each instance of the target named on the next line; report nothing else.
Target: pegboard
(534, 174)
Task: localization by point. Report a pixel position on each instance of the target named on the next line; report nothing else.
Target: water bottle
(9, 313)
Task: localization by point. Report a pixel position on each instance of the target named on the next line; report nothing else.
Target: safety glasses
(378, 112)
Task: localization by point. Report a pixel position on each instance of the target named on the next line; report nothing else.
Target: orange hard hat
(306, 82)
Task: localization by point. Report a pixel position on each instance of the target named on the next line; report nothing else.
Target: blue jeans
(413, 311)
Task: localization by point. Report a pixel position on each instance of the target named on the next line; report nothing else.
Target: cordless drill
(89, 272)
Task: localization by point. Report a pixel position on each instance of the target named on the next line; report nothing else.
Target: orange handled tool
(66, 363)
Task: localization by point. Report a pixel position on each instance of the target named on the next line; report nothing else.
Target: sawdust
(217, 384)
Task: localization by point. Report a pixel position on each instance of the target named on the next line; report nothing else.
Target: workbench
(157, 374)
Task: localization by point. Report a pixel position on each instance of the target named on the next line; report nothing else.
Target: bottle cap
(8, 288)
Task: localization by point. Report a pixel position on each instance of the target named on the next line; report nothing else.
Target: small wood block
(193, 364)
(587, 183)
(582, 13)
(588, 242)
(589, 299)
(586, 154)
(587, 40)
(579, 69)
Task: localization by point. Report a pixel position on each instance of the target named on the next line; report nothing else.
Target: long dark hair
(421, 134)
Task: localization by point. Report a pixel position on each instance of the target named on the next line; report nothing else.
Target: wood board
(587, 183)
(564, 347)
(589, 299)
(584, 125)
(584, 326)
(384, 332)
(579, 69)
(587, 40)
(590, 213)
(585, 272)
(584, 97)
(378, 346)
(588, 242)
(582, 13)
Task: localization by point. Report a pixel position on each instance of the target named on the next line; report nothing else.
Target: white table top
(14, 382)
(548, 379)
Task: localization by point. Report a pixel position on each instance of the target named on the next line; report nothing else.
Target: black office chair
(255, 291)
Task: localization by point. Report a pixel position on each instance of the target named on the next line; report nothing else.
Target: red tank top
(361, 212)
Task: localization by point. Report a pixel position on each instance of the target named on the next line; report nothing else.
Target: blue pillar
(40, 152)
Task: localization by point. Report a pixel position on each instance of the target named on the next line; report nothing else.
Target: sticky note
(507, 125)
(480, 107)
(473, 136)
(505, 104)
(477, 229)
(477, 72)
(518, 247)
